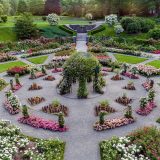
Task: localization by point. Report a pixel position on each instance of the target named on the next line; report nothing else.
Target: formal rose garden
(79, 80)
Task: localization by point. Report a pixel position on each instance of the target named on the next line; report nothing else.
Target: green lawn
(38, 60)
(155, 63)
(5, 66)
(7, 34)
(129, 59)
(109, 32)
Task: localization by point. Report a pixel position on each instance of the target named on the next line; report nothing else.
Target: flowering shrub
(53, 19)
(12, 103)
(38, 122)
(147, 70)
(14, 145)
(18, 70)
(6, 57)
(111, 19)
(118, 28)
(89, 16)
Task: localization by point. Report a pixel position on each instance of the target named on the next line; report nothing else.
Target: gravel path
(82, 140)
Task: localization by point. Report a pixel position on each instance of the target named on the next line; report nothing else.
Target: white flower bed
(129, 52)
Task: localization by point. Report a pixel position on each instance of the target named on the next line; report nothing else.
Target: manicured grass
(7, 34)
(38, 60)
(155, 63)
(5, 66)
(129, 59)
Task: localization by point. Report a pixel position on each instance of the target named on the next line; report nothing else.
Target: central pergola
(84, 68)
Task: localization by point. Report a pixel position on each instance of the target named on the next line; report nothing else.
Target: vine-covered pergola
(84, 68)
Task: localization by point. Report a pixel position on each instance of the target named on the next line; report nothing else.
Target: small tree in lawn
(25, 111)
(151, 95)
(17, 79)
(53, 19)
(128, 113)
(25, 28)
(101, 117)
(61, 120)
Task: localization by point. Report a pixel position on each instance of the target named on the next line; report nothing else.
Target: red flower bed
(57, 70)
(38, 122)
(130, 75)
(146, 110)
(18, 70)
(113, 123)
(10, 109)
(147, 85)
(107, 69)
(37, 75)
(16, 87)
(156, 52)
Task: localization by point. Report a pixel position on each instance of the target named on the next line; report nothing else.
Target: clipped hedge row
(97, 30)
(66, 29)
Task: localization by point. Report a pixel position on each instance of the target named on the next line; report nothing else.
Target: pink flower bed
(10, 109)
(147, 86)
(148, 109)
(107, 69)
(156, 52)
(57, 70)
(130, 75)
(16, 87)
(102, 57)
(38, 122)
(38, 75)
(113, 123)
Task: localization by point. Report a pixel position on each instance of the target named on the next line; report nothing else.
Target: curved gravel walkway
(82, 140)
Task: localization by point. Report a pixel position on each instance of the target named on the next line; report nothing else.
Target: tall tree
(36, 7)
(13, 5)
(22, 6)
(52, 6)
